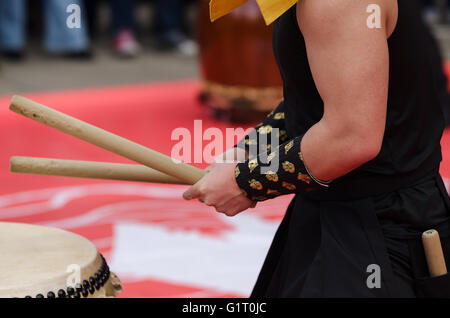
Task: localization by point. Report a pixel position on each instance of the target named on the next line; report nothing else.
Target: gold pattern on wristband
(288, 186)
(236, 172)
(278, 116)
(304, 177)
(272, 176)
(288, 147)
(255, 184)
(288, 167)
(252, 164)
(282, 135)
(263, 130)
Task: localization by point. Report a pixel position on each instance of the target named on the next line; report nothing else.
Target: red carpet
(158, 244)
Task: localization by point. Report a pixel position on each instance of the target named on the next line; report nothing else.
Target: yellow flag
(270, 9)
(273, 9)
(219, 8)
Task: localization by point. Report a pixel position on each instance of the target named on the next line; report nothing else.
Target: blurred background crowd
(128, 26)
(165, 22)
(160, 40)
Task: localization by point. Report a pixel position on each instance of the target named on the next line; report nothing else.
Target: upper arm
(349, 62)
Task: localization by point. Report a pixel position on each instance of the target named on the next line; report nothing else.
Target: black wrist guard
(273, 174)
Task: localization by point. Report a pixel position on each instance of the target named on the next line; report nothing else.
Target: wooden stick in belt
(433, 252)
(105, 139)
(89, 169)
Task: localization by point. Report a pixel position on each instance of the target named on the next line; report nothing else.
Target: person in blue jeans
(169, 24)
(168, 27)
(58, 37)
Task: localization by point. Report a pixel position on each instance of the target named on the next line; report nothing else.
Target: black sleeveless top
(377, 213)
(415, 121)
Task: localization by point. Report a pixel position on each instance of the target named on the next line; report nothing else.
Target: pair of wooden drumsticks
(155, 167)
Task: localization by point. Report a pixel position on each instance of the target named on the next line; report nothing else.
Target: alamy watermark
(374, 19)
(189, 146)
(374, 279)
(74, 275)
(73, 21)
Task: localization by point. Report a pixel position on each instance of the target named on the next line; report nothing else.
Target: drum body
(41, 262)
(238, 67)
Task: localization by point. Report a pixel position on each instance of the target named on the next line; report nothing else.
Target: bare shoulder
(324, 17)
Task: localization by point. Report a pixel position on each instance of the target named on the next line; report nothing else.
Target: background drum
(241, 80)
(45, 262)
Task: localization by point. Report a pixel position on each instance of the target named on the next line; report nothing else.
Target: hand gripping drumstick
(105, 140)
(89, 169)
(433, 252)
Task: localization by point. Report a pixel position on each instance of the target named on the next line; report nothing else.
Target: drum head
(39, 260)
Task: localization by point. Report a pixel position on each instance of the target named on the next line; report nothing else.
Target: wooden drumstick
(105, 140)
(89, 169)
(433, 252)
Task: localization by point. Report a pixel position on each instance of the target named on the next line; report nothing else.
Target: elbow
(359, 145)
(355, 141)
(367, 152)
(361, 140)
(365, 148)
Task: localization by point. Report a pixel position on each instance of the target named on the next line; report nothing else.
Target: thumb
(191, 193)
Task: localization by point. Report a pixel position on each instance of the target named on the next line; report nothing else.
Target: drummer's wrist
(282, 172)
(235, 154)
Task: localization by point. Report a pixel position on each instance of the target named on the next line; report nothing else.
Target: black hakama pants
(330, 248)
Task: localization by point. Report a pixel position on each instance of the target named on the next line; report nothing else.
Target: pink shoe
(125, 44)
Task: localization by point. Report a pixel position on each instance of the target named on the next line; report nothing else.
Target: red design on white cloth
(159, 244)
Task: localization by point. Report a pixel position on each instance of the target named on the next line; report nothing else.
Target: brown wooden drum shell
(237, 63)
